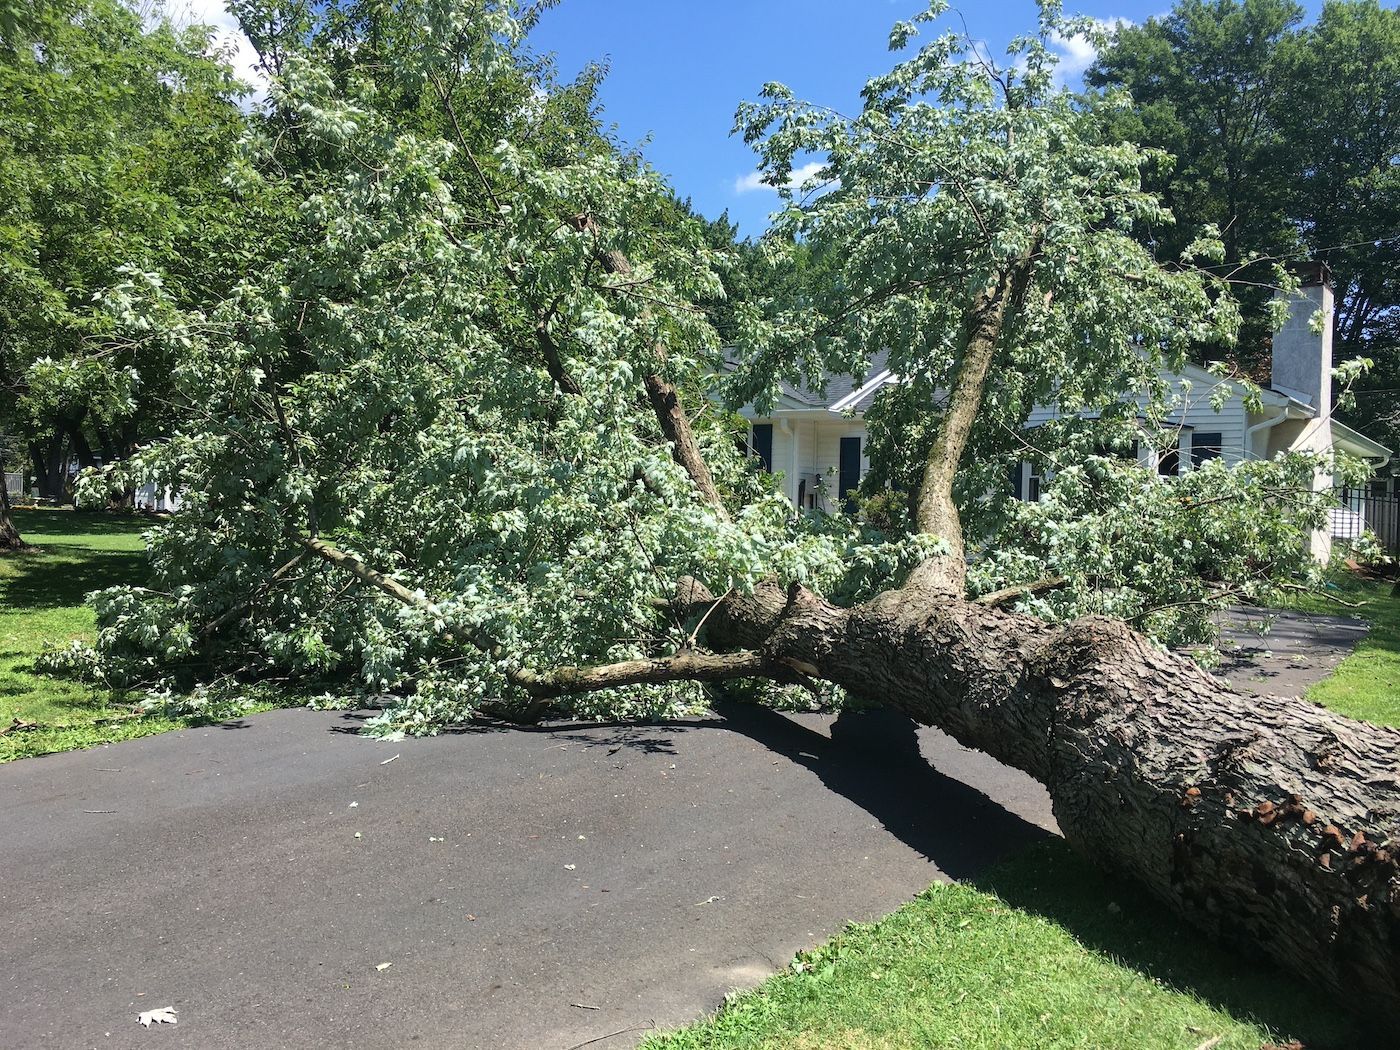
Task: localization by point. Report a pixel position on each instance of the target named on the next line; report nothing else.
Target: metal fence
(1370, 509)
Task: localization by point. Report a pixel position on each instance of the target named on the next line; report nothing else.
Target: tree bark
(49, 466)
(10, 539)
(666, 405)
(1271, 824)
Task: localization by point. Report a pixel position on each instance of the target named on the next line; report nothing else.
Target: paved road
(528, 889)
(1296, 651)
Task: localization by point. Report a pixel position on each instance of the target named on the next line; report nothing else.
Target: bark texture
(10, 539)
(1271, 824)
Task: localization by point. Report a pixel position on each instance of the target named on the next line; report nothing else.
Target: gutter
(1259, 428)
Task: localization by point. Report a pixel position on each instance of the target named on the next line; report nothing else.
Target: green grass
(1041, 952)
(41, 601)
(1366, 684)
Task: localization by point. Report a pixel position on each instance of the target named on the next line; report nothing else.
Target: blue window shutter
(848, 475)
(763, 444)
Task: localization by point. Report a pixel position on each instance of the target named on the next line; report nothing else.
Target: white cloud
(228, 38)
(754, 179)
(1077, 53)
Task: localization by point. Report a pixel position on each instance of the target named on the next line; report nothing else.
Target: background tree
(457, 453)
(114, 138)
(1339, 113)
(1285, 137)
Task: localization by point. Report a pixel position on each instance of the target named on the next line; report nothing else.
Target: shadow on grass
(1119, 920)
(873, 758)
(36, 525)
(55, 578)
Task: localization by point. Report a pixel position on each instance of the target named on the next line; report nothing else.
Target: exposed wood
(1020, 590)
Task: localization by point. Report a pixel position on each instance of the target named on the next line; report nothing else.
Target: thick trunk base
(1269, 823)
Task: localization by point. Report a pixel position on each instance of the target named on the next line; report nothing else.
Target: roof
(839, 389)
(852, 394)
(1359, 444)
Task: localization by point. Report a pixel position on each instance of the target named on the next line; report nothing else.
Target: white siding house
(817, 442)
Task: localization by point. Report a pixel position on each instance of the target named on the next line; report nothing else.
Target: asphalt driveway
(282, 882)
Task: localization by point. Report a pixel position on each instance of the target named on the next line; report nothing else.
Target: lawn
(1041, 951)
(1366, 684)
(41, 601)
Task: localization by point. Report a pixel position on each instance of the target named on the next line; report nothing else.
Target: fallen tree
(501, 323)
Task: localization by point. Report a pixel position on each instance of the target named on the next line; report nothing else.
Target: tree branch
(1006, 594)
(937, 510)
(693, 667)
(670, 412)
(545, 685)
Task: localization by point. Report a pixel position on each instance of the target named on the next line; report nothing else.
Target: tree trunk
(10, 539)
(50, 467)
(79, 443)
(1271, 824)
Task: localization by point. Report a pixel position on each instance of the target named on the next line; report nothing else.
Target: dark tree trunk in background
(1269, 823)
(10, 539)
(79, 443)
(50, 466)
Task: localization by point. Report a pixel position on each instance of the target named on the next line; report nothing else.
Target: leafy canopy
(445, 378)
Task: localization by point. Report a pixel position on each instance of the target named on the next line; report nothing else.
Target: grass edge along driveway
(1044, 951)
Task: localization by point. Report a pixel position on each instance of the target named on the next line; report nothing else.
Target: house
(817, 441)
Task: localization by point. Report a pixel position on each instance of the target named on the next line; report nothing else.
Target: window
(1025, 481)
(1205, 445)
(1033, 482)
(1169, 462)
(1118, 450)
(762, 444)
(848, 472)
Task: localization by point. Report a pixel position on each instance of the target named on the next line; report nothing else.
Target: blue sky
(680, 67)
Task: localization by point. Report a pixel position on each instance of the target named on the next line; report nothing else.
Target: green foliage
(388, 386)
(1164, 554)
(1285, 137)
(114, 137)
(953, 172)
(441, 373)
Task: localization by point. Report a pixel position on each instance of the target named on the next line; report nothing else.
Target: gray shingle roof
(837, 386)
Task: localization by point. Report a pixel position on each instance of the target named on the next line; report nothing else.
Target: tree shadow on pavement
(873, 759)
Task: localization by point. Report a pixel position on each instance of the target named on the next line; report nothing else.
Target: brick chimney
(1302, 358)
